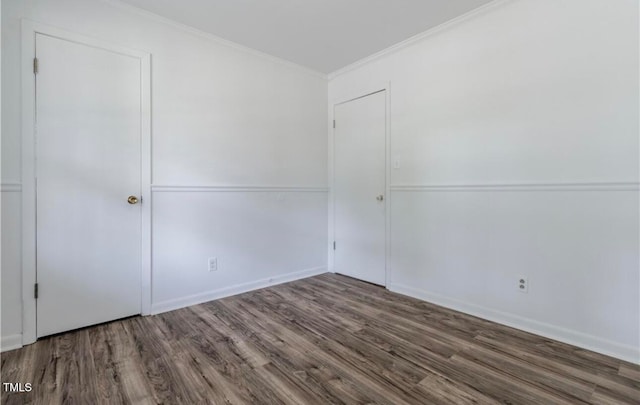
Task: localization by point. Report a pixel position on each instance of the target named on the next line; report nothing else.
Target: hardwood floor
(323, 340)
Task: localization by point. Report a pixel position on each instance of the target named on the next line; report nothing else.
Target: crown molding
(213, 38)
(419, 37)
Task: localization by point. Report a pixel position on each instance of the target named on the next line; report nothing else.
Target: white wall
(523, 94)
(222, 116)
(10, 306)
(256, 236)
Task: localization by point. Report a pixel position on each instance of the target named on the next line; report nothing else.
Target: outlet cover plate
(523, 284)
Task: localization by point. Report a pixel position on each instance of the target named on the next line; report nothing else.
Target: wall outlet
(213, 264)
(523, 284)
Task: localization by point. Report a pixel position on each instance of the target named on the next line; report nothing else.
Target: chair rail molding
(161, 188)
(582, 186)
(11, 187)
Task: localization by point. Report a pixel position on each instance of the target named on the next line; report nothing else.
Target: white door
(359, 187)
(88, 162)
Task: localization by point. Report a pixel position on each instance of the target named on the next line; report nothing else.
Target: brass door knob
(132, 199)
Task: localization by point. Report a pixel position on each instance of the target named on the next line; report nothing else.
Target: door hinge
(35, 66)
(334, 245)
(35, 291)
(334, 124)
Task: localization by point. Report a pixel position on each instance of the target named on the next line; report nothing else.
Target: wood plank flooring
(323, 340)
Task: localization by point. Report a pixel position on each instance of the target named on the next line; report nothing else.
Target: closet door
(88, 171)
(359, 188)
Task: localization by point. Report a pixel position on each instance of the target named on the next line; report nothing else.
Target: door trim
(386, 87)
(29, 31)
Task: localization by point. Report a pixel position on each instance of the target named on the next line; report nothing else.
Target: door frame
(29, 230)
(351, 96)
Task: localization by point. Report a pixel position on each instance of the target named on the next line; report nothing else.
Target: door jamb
(29, 229)
(386, 87)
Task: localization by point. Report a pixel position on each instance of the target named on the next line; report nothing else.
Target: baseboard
(575, 338)
(195, 299)
(10, 342)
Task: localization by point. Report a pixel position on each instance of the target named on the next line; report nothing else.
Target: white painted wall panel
(521, 94)
(576, 247)
(254, 236)
(11, 279)
(526, 92)
(11, 124)
(251, 125)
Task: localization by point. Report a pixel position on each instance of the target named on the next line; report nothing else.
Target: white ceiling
(324, 35)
